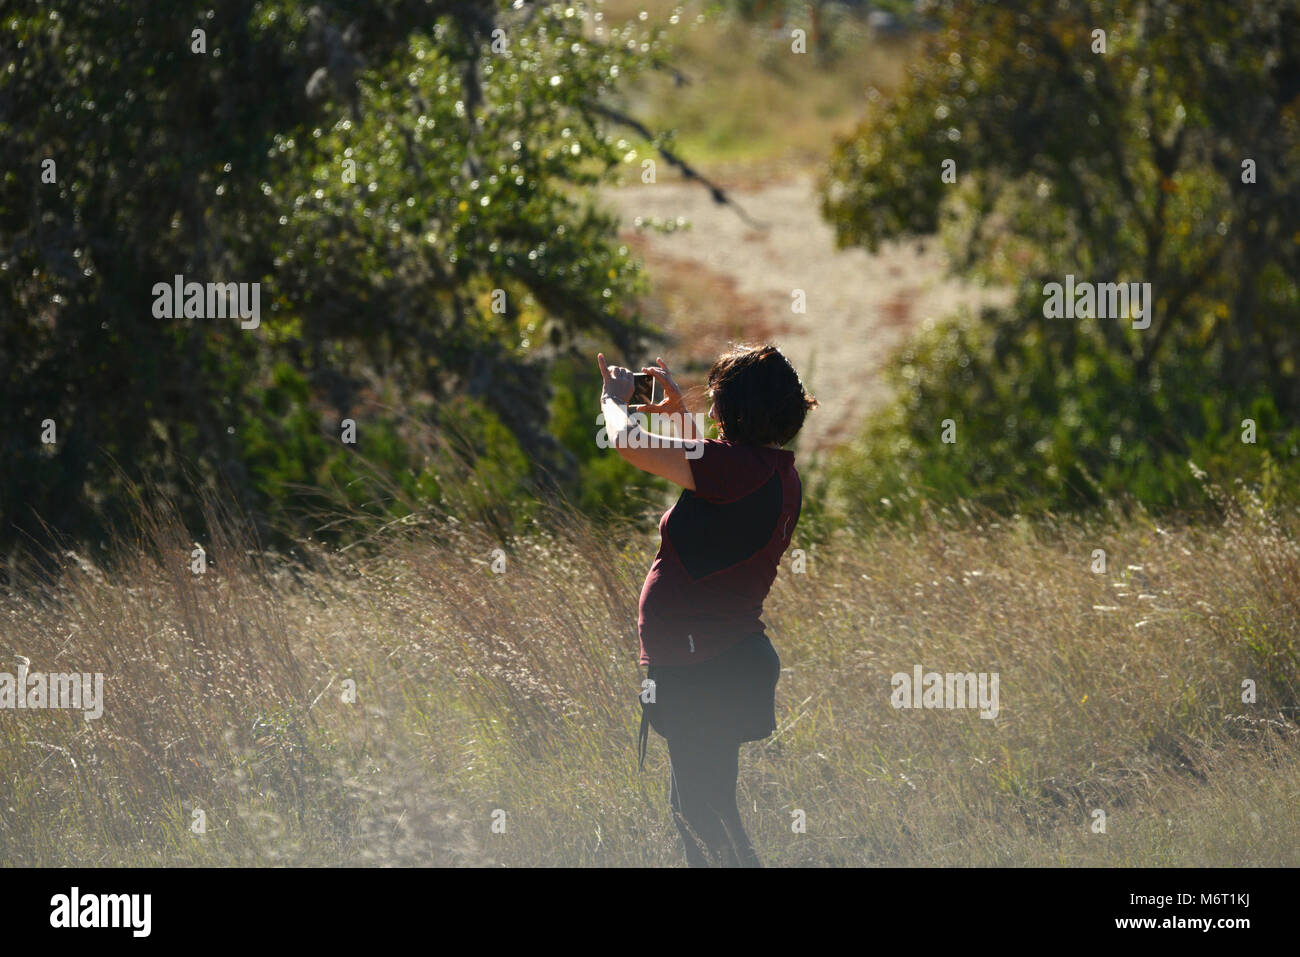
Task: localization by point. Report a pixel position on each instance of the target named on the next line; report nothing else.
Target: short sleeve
(725, 471)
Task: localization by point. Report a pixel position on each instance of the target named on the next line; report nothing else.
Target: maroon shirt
(718, 554)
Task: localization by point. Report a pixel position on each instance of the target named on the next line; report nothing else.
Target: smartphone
(643, 389)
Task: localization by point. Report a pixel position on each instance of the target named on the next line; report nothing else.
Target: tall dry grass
(479, 692)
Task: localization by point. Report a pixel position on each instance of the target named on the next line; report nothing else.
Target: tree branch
(689, 172)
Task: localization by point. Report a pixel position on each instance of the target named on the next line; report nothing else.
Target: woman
(714, 671)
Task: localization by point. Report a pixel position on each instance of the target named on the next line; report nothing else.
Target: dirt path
(737, 281)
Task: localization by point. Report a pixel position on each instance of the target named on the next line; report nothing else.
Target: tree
(1113, 142)
(405, 181)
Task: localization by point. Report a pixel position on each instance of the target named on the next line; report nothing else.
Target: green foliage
(411, 200)
(1031, 438)
(1117, 166)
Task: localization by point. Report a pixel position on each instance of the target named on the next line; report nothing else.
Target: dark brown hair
(758, 398)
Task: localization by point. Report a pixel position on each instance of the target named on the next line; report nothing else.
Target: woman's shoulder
(766, 450)
(766, 457)
(730, 470)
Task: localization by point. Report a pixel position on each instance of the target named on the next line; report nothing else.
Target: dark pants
(705, 711)
(702, 795)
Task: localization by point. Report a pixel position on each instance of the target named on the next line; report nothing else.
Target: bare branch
(717, 192)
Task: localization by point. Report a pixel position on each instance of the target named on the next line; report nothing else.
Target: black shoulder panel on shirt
(709, 537)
